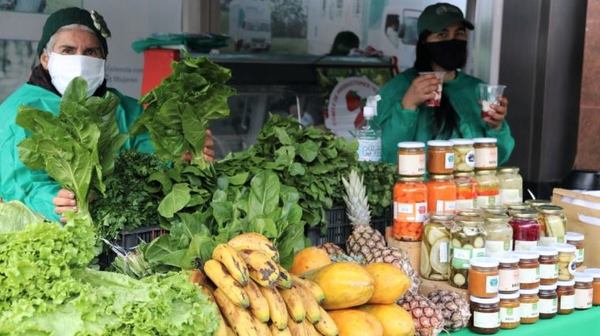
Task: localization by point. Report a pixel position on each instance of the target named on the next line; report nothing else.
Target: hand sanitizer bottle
(369, 134)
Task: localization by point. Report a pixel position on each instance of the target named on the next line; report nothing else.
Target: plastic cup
(489, 95)
(435, 102)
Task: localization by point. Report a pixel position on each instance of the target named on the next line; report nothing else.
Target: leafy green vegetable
(14, 215)
(379, 181)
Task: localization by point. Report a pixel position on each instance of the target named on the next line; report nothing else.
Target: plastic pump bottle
(369, 134)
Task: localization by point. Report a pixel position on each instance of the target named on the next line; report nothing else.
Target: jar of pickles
(530, 305)
(467, 241)
(576, 239)
(508, 272)
(411, 159)
(498, 236)
(548, 301)
(529, 269)
(553, 224)
(466, 192)
(511, 186)
(548, 265)
(516, 208)
(584, 292)
(441, 194)
(410, 208)
(464, 155)
(510, 312)
(440, 157)
(566, 262)
(435, 247)
(595, 273)
(526, 230)
(488, 188)
(566, 297)
(486, 153)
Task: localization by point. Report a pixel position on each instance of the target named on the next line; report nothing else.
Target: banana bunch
(257, 296)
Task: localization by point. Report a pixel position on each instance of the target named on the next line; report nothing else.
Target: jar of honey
(440, 157)
(410, 208)
(441, 194)
(483, 277)
(584, 292)
(548, 265)
(530, 305)
(566, 296)
(411, 159)
(548, 302)
(529, 269)
(510, 312)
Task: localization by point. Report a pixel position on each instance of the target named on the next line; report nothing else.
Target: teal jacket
(399, 124)
(34, 187)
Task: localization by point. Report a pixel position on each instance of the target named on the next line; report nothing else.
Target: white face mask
(63, 68)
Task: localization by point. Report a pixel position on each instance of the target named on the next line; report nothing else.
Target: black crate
(130, 239)
(381, 223)
(338, 228)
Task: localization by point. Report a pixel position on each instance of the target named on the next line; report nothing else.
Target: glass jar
(576, 239)
(595, 273)
(483, 277)
(486, 153)
(440, 157)
(410, 208)
(435, 247)
(467, 241)
(488, 188)
(566, 297)
(529, 269)
(548, 265)
(534, 203)
(498, 236)
(516, 208)
(553, 224)
(466, 190)
(441, 194)
(508, 273)
(496, 210)
(566, 261)
(485, 315)
(511, 186)
(548, 301)
(464, 155)
(526, 230)
(411, 159)
(510, 312)
(584, 292)
(469, 214)
(530, 308)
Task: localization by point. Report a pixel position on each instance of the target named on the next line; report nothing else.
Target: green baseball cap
(435, 18)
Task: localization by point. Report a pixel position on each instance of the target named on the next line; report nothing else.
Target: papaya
(395, 320)
(309, 259)
(352, 322)
(390, 283)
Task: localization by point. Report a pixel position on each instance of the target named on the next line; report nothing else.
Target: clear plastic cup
(489, 95)
(435, 102)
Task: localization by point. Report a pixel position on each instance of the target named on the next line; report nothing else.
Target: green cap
(74, 15)
(436, 17)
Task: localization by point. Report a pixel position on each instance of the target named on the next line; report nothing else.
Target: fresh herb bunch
(380, 177)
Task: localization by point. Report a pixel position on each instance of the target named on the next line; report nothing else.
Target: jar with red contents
(526, 230)
(441, 194)
(410, 208)
(466, 192)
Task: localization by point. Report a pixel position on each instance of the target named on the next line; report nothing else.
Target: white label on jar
(509, 280)
(529, 275)
(525, 245)
(510, 196)
(411, 165)
(548, 241)
(583, 298)
(567, 302)
(461, 258)
(494, 248)
(444, 252)
(572, 267)
(548, 271)
(486, 157)
(446, 207)
(486, 320)
(470, 158)
(449, 160)
(548, 306)
(491, 283)
(530, 310)
(478, 252)
(369, 150)
(510, 315)
(410, 212)
(486, 201)
(465, 204)
(580, 255)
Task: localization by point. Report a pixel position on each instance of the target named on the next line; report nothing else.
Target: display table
(580, 323)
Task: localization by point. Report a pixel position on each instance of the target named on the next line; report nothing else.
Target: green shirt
(399, 124)
(34, 187)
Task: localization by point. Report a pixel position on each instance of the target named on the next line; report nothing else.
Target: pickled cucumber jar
(467, 241)
(498, 236)
(511, 186)
(435, 247)
(553, 224)
(488, 188)
(466, 190)
(464, 155)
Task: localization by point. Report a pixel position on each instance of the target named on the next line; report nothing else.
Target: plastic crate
(338, 228)
(380, 223)
(130, 239)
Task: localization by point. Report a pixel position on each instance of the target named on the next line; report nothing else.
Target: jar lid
(485, 301)
(525, 214)
(568, 283)
(497, 219)
(485, 140)
(548, 287)
(411, 179)
(508, 296)
(508, 170)
(483, 262)
(411, 145)
(521, 206)
(529, 291)
(462, 142)
(528, 255)
(440, 177)
(441, 217)
(486, 172)
(471, 221)
(439, 143)
(595, 272)
(583, 277)
(469, 213)
(547, 251)
(566, 248)
(537, 202)
(574, 236)
(508, 258)
(550, 209)
(464, 174)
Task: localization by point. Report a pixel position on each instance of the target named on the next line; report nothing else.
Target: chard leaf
(176, 200)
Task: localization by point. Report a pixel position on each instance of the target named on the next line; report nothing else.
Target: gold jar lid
(526, 214)
(508, 170)
(485, 172)
(464, 174)
(550, 209)
(411, 179)
(440, 177)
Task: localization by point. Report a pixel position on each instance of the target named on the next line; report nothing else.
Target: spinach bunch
(380, 178)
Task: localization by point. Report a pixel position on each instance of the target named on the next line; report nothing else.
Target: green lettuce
(14, 215)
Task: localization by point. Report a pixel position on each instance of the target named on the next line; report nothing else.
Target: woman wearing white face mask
(73, 44)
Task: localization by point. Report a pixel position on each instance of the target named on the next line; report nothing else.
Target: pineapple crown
(356, 199)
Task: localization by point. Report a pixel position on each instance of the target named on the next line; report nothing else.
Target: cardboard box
(579, 217)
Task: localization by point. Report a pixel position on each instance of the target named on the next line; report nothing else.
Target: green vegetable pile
(380, 178)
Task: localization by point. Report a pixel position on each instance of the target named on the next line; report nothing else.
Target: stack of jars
(483, 293)
(441, 188)
(486, 162)
(548, 298)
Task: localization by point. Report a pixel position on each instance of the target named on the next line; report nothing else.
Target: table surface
(579, 323)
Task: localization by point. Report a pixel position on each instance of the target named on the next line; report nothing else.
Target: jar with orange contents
(441, 194)
(488, 188)
(410, 208)
(466, 192)
(595, 273)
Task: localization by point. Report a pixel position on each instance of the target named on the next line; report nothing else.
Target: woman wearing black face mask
(402, 112)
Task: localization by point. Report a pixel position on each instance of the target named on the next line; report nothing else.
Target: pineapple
(454, 308)
(427, 317)
(332, 249)
(398, 258)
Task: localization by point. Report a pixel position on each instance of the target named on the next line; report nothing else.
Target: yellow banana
(230, 331)
(277, 332)
(312, 287)
(254, 242)
(222, 331)
(285, 278)
(238, 318)
(294, 304)
(259, 306)
(326, 326)
(297, 329)
(310, 329)
(311, 306)
(219, 275)
(230, 258)
(262, 328)
(262, 269)
(277, 309)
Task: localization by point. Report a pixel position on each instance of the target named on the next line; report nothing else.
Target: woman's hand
(208, 151)
(495, 116)
(63, 202)
(421, 89)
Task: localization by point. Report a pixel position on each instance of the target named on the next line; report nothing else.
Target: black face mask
(450, 55)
